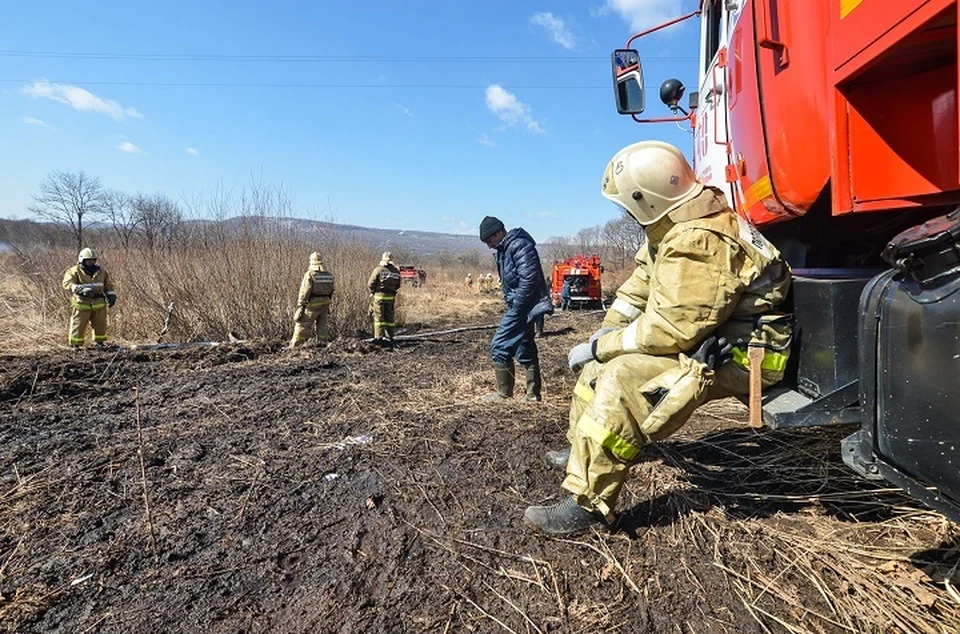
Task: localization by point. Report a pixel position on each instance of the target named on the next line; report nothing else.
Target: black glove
(87, 292)
(111, 299)
(713, 352)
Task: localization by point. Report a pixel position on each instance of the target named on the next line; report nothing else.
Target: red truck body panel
(413, 275)
(585, 270)
(858, 94)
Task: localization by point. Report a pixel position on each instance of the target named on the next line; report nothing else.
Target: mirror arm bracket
(662, 119)
(661, 26)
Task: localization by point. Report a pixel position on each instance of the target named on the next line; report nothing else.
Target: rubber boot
(563, 518)
(505, 379)
(558, 459)
(533, 381)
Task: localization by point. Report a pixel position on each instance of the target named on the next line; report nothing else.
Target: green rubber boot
(505, 378)
(533, 381)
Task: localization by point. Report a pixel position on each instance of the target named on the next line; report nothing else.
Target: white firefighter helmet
(86, 254)
(315, 259)
(649, 179)
(386, 257)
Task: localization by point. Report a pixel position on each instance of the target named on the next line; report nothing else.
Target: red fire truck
(583, 273)
(413, 275)
(832, 125)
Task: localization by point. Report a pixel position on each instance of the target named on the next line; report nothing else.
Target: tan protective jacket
(710, 271)
(75, 278)
(384, 281)
(316, 288)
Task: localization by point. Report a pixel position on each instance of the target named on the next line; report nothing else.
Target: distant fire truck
(583, 271)
(414, 275)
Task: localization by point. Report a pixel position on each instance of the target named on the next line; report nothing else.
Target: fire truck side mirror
(628, 81)
(694, 100)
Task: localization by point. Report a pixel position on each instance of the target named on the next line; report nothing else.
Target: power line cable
(285, 58)
(213, 84)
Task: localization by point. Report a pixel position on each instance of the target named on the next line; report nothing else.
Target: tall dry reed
(244, 285)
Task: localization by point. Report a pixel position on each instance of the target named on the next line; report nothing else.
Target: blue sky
(421, 115)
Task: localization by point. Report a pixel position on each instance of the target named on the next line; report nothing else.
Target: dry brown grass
(806, 544)
(447, 304)
(243, 282)
(245, 285)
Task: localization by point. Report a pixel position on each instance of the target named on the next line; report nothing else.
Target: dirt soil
(248, 488)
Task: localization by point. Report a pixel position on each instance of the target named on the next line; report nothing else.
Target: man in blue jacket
(527, 298)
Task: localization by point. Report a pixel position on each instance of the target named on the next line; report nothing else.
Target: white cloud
(38, 123)
(128, 147)
(406, 111)
(485, 140)
(78, 99)
(192, 151)
(557, 29)
(511, 110)
(643, 14)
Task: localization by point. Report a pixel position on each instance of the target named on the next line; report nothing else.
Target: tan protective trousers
(611, 418)
(78, 325)
(315, 322)
(383, 316)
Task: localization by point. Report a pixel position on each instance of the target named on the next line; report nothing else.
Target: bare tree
(621, 237)
(69, 198)
(158, 220)
(120, 210)
(556, 248)
(588, 240)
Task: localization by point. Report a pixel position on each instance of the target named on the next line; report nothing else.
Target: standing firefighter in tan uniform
(92, 292)
(313, 303)
(704, 277)
(384, 284)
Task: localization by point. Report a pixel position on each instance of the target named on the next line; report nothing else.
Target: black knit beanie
(489, 226)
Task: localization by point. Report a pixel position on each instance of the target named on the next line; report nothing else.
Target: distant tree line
(76, 201)
(615, 242)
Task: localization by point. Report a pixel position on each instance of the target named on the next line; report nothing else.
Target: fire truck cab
(582, 274)
(833, 127)
(413, 275)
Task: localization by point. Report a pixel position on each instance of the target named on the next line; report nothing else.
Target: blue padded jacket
(521, 276)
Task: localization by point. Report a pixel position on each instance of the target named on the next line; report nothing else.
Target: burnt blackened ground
(249, 488)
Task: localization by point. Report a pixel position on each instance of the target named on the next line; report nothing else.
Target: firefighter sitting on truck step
(313, 303)
(703, 273)
(91, 293)
(383, 284)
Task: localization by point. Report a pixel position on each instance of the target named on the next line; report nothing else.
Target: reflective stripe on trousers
(318, 303)
(773, 361)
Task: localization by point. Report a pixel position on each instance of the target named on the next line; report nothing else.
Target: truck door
(710, 131)
(786, 165)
